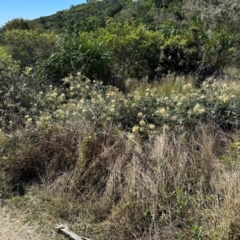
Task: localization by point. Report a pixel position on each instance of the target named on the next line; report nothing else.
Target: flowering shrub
(82, 101)
(142, 111)
(215, 103)
(21, 93)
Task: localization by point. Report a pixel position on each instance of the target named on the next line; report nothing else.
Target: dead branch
(65, 230)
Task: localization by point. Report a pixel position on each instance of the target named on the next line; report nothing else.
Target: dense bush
(181, 48)
(78, 53)
(138, 52)
(29, 46)
(135, 50)
(17, 23)
(217, 46)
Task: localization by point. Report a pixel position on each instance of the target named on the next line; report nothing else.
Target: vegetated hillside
(83, 17)
(124, 123)
(95, 14)
(131, 39)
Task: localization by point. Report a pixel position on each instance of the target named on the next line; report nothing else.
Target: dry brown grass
(15, 227)
(173, 186)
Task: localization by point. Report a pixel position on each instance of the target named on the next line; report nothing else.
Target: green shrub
(135, 50)
(78, 53)
(29, 46)
(217, 46)
(178, 54)
(17, 23)
(138, 52)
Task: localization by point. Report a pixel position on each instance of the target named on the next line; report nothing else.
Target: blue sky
(31, 9)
